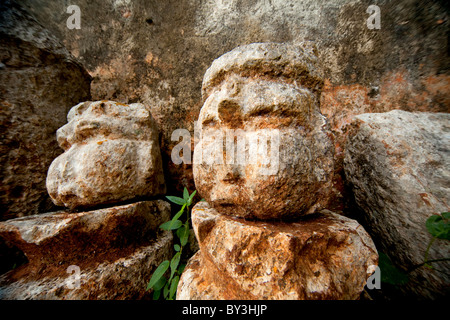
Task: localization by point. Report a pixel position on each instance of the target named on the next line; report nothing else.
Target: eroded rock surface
(399, 165)
(116, 250)
(111, 154)
(324, 256)
(265, 150)
(39, 82)
(122, 278)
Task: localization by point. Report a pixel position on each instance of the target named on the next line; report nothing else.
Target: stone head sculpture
(264, 150)
(111, 154)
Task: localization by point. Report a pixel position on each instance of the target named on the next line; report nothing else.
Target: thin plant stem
(428, 249)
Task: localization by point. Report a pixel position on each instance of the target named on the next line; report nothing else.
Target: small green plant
(439, 227)
(159, 282)
(389, 273)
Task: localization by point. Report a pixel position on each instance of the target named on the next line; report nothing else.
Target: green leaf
(184, 234)
(159, 284)
(181, 268)
(159, 272)
(185, 195)
(438, 225)
(189, 202)
(176, 200)
(177, 247)
(156, 294)
(171, 225)
(180, 232)
(389, 273)
(173, 287)
(166, 290)
(174, 263)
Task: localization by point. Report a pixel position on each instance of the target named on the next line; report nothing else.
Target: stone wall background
(156, 53)
(39, 82)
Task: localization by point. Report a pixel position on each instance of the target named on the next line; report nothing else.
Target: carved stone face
(111, 154)
(284, 174)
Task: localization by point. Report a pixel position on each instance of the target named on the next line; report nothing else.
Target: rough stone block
(398, 163)
(114, 248)
(325, 256)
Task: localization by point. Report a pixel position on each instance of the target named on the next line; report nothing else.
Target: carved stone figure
(111, 154)
(264, 151)
(265, 154)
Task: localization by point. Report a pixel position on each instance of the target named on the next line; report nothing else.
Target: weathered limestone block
(111, 154)
(399, 165)
(121, 278)
(39, 82)
(116, 250)
(264, 150)
(198, 283)
(325, 256)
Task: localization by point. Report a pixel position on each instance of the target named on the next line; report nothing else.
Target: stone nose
(231, 173)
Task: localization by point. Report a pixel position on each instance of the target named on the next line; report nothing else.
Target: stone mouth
(225, 203)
